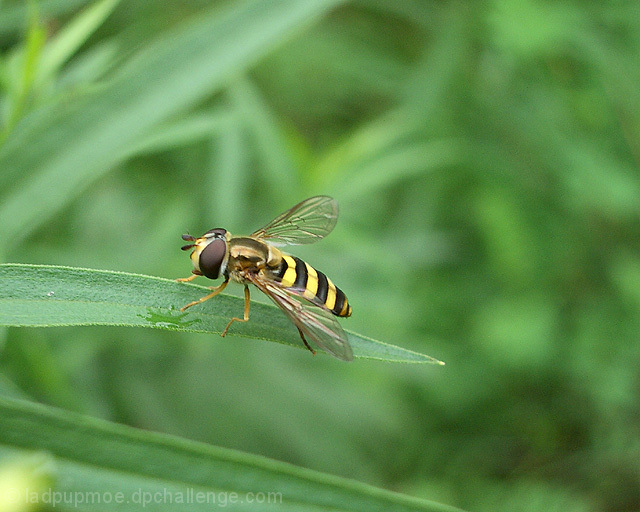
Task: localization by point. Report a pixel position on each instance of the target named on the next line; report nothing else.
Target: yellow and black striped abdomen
(317, 287)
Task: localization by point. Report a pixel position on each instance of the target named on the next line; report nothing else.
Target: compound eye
(216, 233)
(211, 258)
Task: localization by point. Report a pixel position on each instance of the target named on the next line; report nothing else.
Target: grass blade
(67, 42)
(77, 141)
(48, 296)
(99, 459)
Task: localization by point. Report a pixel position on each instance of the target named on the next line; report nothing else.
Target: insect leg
(305, 342)
(247, 304)
(215, 292)
(187, 279)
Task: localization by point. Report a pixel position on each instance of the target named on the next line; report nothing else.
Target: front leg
(194, 273)
(216, 291)
(187, 279)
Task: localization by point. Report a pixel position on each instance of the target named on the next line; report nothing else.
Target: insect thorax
(248, 254)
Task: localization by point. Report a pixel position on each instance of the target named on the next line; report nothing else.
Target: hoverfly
(306, 295)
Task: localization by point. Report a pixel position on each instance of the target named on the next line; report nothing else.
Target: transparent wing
(305, 223)
(315, 323)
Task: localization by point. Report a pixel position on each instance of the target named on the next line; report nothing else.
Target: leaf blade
(77, 140)
(49, 296)
(93, 455)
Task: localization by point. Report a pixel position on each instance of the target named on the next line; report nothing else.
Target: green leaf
(76, 140)
(13, 15)
(48, 296)
(261, 122)
(22, 68)
(71, 37)
(95, 458)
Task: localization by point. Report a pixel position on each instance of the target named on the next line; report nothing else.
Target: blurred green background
(485, 158)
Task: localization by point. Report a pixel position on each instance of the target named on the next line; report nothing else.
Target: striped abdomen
(318, 288)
